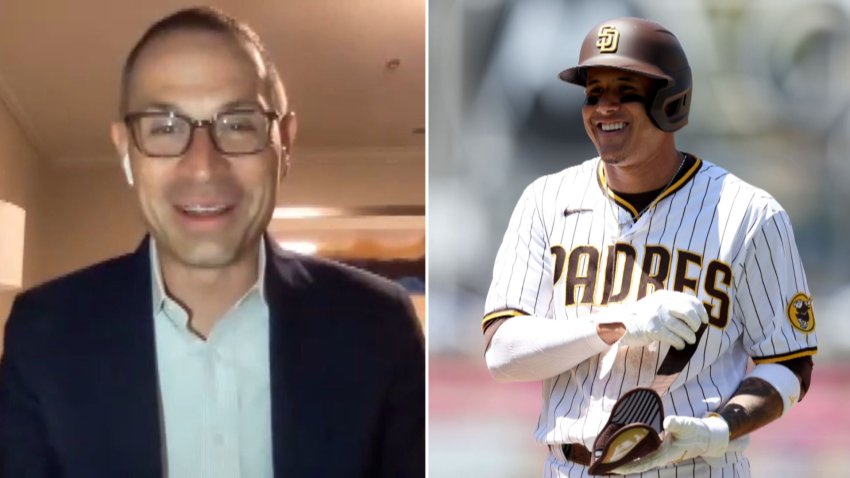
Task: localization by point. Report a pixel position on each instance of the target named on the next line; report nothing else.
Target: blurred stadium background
(771, 103)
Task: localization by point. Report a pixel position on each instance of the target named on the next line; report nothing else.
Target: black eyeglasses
(168, 134)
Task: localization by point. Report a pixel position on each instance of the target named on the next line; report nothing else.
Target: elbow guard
(782, 379)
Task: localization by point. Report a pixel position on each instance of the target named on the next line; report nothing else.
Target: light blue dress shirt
(215, 393)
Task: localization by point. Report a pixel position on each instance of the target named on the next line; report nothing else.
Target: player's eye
(592, 96)
(632, 98)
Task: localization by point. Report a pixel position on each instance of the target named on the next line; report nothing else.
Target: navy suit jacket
(79, 395)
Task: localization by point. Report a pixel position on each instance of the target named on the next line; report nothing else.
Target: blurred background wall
(354, 73)
(19, 177)
(771, 91)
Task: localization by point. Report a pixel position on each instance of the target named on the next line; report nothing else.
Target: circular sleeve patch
(800, 313)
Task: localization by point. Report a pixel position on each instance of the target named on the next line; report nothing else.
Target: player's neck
(644, 174)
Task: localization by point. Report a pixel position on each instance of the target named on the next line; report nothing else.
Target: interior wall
(91, 216)
(354, 178)
(21, 181)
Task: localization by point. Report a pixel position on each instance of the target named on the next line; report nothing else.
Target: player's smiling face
(615, 116)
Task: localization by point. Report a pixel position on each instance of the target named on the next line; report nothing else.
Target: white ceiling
(60, 65)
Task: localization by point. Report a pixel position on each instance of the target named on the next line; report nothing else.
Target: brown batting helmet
(646, 48)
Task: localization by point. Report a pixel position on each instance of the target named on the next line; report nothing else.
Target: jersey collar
(671, 189)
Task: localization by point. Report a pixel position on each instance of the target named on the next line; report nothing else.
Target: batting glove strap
(711, 433)
(707, 436)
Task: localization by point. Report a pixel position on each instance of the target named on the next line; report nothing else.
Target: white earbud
(128, 171)
(283, 163)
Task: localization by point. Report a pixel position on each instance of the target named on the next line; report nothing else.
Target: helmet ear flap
(670, 112)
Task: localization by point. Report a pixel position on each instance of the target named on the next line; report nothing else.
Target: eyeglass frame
(194, 124)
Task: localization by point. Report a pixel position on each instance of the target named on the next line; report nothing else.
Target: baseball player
(609, 266)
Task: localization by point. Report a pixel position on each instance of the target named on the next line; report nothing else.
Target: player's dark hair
(211, 20)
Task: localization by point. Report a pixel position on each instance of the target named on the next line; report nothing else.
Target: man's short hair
(211, 20)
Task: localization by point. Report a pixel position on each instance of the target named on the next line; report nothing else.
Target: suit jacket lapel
(134, 410)
(286, 281)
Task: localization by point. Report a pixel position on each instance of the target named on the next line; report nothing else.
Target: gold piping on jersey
(783, 357)
(800, 313)
(501, 314)
(681, 182)
(600, 178)
(672, 188)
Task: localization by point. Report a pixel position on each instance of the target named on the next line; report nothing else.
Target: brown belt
(577, 453)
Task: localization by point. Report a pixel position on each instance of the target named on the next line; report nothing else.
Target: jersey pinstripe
(571, 250)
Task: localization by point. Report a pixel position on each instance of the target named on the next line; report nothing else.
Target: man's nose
(202, 159)
(608, 102)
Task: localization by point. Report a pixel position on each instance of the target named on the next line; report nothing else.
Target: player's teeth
(613, 126)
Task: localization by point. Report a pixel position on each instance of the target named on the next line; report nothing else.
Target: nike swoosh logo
(570, 211)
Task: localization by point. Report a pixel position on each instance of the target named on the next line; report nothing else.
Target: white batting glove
(685, 438)
(666, 316)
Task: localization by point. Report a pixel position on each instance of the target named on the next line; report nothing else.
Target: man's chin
(612, 159)
(206, 255)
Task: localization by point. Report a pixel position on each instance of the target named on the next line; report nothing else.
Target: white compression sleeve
(536, 348)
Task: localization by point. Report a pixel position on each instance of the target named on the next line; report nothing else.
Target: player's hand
(685, 438)
(666, 316)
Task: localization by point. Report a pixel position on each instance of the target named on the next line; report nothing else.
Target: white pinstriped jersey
(570, 250)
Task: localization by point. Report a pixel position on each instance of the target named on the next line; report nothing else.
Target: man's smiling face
(204, 208)
(615, 117)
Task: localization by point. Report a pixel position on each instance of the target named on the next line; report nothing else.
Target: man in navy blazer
(208, 351)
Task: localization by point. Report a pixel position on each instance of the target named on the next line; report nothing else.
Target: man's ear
(118, 131)
(288, 126)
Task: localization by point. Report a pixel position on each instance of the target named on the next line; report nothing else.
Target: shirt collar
(159, 294)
